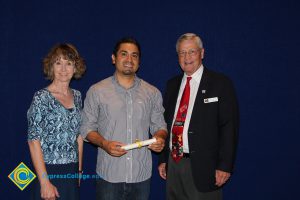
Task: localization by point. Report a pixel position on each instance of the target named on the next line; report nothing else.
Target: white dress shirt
(194, 85)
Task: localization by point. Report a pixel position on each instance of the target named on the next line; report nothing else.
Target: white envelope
(211, 100)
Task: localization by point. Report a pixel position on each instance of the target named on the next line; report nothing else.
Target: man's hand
(162, 170)
(157, 146)
(113, 148)
(221, 177)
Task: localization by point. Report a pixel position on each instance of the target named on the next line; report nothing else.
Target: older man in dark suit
(201, 111)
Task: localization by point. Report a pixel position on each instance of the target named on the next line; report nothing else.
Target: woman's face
(63, 70)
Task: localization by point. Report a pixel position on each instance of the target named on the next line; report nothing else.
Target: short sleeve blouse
(55, 126)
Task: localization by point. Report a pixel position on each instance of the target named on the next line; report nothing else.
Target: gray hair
(189, 36)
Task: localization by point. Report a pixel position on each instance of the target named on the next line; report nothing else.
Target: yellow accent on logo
(22, 176)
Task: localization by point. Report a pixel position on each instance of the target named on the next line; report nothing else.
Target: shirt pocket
(142, 109)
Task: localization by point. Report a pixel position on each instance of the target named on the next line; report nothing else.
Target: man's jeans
(122, 191)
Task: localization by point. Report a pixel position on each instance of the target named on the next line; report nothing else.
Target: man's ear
(202, 53)
(113, 58)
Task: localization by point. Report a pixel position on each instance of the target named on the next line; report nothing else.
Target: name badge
(211, 100)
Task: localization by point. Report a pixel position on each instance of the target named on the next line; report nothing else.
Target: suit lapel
(202, 90)
(201, 94)
(198, 105)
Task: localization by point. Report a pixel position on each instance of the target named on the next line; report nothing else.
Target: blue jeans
(122, 191)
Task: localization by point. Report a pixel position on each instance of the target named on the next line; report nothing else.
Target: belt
(186, 155)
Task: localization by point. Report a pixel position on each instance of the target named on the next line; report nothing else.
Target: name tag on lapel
(211, 100)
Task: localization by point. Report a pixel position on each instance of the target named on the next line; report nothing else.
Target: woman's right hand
(49, 191)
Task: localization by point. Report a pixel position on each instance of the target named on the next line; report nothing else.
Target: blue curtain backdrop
(254, 42)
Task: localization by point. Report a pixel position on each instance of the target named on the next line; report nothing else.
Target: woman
(53, 127)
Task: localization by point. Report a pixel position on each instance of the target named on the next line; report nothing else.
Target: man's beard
(128, 72)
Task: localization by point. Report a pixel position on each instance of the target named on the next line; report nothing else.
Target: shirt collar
(196, 76)
(136, 83)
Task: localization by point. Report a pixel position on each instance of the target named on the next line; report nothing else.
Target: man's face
(127, 59)
(190, 56)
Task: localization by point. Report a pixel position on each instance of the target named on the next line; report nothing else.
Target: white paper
(139, 144)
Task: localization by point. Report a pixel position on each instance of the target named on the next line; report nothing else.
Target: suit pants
(180, 183)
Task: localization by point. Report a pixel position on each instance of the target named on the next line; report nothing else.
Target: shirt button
(128, 158)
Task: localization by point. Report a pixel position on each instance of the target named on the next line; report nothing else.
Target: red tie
(177, 130)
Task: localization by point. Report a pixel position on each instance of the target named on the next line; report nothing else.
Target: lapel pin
(203, 91)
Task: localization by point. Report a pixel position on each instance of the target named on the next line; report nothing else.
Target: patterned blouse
(55, 126)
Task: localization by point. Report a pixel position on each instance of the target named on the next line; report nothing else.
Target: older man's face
(190, 56)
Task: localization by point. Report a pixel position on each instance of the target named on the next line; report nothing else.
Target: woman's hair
(65, 51)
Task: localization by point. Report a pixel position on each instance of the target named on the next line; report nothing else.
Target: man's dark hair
(129, 40)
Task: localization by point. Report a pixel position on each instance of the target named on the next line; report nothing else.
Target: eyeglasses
(191, 52)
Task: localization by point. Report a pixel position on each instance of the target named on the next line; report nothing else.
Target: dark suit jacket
(213, 129)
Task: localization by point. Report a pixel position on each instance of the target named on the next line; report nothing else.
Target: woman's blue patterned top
(55, 126)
